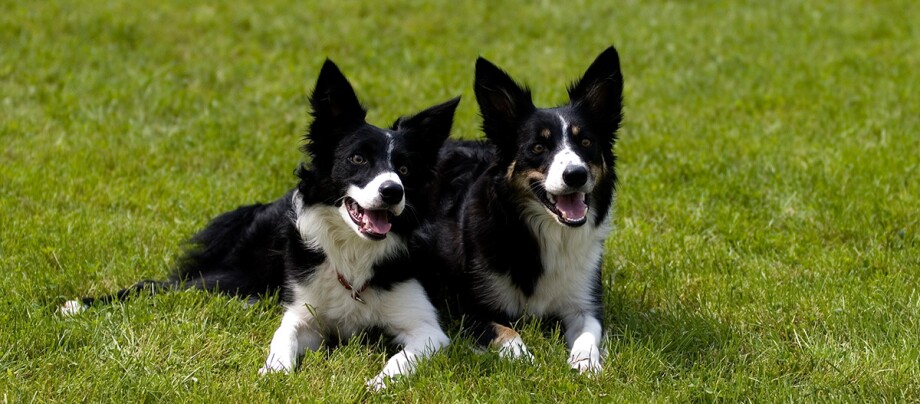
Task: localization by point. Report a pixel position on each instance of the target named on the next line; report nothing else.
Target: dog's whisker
(411, 209)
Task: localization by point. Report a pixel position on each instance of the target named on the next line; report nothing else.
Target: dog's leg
(296, 334)
(413, 321)
(583, 335)
(508, 342)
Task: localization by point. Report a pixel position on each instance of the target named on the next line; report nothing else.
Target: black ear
(599, 93)
(335, 109)
(333, 99)
(503, 105)
(429, 128)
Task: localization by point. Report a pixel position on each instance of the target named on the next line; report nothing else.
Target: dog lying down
(336, 246)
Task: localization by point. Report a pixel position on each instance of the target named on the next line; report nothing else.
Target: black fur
(481, 229)
(252, 251)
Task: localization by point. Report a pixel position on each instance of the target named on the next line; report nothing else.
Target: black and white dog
(336, 246)
(522, 219)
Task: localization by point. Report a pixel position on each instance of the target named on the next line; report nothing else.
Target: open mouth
(570, 209)
(373, 223)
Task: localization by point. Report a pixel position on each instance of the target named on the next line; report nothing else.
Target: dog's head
(563, 156)
(372, 175)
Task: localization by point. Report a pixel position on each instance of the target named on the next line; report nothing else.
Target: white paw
(378, 383)
(266, 369)
(72, 307)
(515, 349)
(586, 361)
(274, 365)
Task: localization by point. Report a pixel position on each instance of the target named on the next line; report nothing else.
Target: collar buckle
(355, 292)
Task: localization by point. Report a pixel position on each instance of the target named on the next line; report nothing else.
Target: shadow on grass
(681, 338)
(637, 334)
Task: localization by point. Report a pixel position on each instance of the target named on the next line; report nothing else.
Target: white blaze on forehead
(563, 158)
(391, 144)
(369, 197)
(565, 130)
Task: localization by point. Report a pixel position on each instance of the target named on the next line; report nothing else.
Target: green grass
(767, 242)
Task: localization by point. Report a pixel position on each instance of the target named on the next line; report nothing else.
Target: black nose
(575, 176)
(391, 192)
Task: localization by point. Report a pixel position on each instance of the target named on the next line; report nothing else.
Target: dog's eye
(358, 159)
(538, 148)
(404, 170)
(586, 142)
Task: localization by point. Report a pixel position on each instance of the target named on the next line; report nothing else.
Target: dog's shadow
(677, 337)
(637, 330)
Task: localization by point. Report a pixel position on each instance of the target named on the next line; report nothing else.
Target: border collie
(522, 219)
(336, 246)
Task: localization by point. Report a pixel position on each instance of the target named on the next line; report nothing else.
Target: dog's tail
(233, 255)
(75, 306)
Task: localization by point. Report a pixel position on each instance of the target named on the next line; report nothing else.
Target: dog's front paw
(515, 349)
(378, 383)
(266, 369)
(586, 361)
(275, 365)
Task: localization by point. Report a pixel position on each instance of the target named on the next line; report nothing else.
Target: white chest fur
(570, 258)
(323, 228)
(320, 306)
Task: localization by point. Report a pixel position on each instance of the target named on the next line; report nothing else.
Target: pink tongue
(572, 206)
(376, 221)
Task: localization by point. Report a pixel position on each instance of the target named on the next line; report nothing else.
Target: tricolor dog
(522, 218)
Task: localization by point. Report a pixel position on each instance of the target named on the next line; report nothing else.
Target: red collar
(355, 292)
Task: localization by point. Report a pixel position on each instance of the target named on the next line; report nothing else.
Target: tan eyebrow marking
(576, 130)
(545, 133)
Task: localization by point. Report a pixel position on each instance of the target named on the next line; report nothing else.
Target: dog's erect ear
(503, 105)
(599, 93)
(429, 128)
(335, 109)
(334, 100)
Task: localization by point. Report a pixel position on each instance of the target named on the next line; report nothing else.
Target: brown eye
(404, 170)
(585, 142)
(538, 148)
(358, 159)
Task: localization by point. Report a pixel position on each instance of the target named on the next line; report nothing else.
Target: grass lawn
(767, 241)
